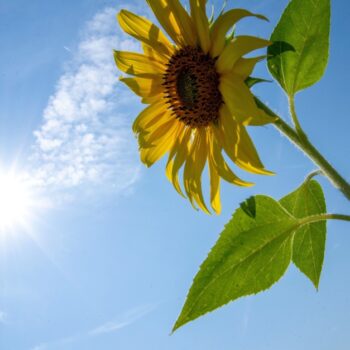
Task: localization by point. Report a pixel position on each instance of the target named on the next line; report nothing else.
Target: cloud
(3, 317)
(115, 325)
(85, 136)
(130, 317)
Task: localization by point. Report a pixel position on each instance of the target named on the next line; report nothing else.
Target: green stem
(309, 149)
(303, 143)
(313, 174)
(323, 217)
(299, 130)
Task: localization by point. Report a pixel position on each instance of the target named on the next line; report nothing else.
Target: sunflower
(198, 96)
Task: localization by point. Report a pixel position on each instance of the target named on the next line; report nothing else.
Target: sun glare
(16, 202)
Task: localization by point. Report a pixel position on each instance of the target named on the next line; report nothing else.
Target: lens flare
(16, 202)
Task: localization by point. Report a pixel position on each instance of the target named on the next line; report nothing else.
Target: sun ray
(18, 201)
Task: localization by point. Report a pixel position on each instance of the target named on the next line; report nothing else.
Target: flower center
(192, 87)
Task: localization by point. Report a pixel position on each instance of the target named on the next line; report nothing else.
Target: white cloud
(130, 317)
(120, 322)
(3, 317)
(85, 137)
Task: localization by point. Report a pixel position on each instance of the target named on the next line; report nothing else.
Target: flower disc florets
(192, 87)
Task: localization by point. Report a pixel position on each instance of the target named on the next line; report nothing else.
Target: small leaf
(251, 81)
(252, 253)
(310, 240)
(304, 26)
(249, 206)
(278, 47)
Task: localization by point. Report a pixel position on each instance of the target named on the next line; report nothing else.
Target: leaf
(304, 27)
(252, 253)
(251, 81)
(310, 240)
(249, 206)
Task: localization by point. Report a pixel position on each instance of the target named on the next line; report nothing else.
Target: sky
(109, 251)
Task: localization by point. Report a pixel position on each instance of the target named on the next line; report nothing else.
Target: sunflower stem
(309, 149)
(303, 143)
(299, 130)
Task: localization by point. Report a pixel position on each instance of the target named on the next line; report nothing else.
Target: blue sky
(111, 250)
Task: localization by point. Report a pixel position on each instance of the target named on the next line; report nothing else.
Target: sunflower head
(198, 101)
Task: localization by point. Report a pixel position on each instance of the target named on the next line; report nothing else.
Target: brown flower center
(192, 87)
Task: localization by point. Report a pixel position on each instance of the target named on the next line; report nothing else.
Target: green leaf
(299, 57)
(251, 81)
(310, 240)
(252, 253)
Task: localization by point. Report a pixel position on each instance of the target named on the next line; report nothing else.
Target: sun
(16, 202)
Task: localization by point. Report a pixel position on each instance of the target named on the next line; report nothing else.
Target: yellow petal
(175, 20)
(200, 159)
(144, 87)
(240, 100)
(177, 156)
(138, 64)
(144, 30)
(221, 166)
(238, 145)
(149, 116)
(201, 22)
(263, 119)
(245, 66)
(247, 156)
(150, 52)
(181, 156)
(185, 22)
(152, 154)
(214, 186)
(153, 99)
(235, 49)
(193, 170)
(223, 24)
(149, 139)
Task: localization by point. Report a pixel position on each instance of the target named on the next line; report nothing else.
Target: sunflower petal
(149, 116)
(193, 170)
(150, 52)
(183, 152)
(200, 159)
(150, 155)
(145, 31)
(247, 156)
(222, 167)
(245, 66)
(177, 157)
(214, 187)
(152, 99)
(175, 20)
(238, 47)
(201, 22)
(149, 139)
(238, 145)
(185, 22)
(138, 64)
(144, 87)
(240, 101)
(223, 24)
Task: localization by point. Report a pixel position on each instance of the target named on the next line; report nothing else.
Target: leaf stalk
(323, 217)
(302, 142)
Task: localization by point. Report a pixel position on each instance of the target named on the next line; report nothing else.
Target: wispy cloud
(3, 317)
(85, 136)
(115, 325)
(130, 317)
